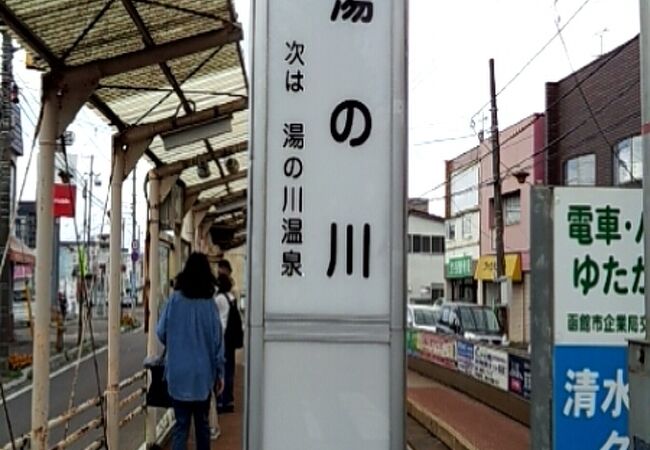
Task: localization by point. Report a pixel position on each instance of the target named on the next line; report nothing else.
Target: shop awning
(487, 267)
(20, 253)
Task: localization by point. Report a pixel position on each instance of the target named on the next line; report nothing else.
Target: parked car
(420, 317)
(472, 322)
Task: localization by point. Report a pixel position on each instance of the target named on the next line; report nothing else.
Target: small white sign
(598, 266)
(491, 366)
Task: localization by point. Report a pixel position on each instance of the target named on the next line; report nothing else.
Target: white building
(426, 247)
(463, 227)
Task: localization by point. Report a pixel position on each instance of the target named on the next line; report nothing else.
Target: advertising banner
(519, 376)
(491, 366)
(438, 349)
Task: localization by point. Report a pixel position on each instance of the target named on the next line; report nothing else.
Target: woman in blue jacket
(190, 329)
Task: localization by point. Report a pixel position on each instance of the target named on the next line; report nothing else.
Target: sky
(450, 44)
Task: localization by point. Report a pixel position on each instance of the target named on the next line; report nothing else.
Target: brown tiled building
(605, 151)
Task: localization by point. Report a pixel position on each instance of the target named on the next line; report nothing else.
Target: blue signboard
(591, 398)
(465, 356)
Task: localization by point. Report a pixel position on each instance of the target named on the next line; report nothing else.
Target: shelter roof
(63, 34)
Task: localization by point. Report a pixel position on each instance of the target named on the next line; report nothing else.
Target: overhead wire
(88, 318)
(599, 66)
(3, 262)
(584, 98)
(533, 58)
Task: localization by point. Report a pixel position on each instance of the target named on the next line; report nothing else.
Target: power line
(96, 200)
(534, 57)
(596, 69)
(448, 139)
(584, 98)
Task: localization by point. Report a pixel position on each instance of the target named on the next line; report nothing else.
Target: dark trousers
(227, 397)
(184, 412)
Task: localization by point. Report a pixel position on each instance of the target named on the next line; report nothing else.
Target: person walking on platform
(191, 331)
(233, 340)
(223, 305)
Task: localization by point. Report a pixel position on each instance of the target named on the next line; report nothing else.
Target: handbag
(157, 393)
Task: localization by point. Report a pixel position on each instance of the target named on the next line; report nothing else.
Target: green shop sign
(460, 267)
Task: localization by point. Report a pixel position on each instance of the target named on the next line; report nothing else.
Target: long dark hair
(196, 280)
(224, 283)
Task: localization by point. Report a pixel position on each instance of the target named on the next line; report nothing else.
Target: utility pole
(496, 171)
(6, 202)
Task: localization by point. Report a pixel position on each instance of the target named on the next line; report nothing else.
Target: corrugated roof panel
(208, 78)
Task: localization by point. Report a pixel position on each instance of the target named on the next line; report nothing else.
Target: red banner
(65, 196)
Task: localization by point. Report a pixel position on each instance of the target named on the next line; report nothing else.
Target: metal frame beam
(157, 54)
(153, 129)
(205, 205)
(237, 213)
(184, 164)
(198, 188)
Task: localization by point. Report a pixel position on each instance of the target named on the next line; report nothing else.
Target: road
(132, 352)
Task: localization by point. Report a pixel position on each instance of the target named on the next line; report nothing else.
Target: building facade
(26, 223)
(606, 151)
(463, 227)
(522, 166)
(426, 247)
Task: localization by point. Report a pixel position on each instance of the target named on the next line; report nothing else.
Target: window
(511, 203)
(426, 244)
(467, 227)
(445, 315)
(628, 160)
(451, 231)
(511, 209)
(417, 243)
(580, 171)
(437, 293)
(438, 245)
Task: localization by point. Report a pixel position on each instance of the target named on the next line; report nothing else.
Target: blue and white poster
(465, 357)
(591, 398)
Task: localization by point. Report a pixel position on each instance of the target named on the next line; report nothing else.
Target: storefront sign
(64, 200)
(465, 357)
(438, 349)
(460, 267)
(487, 267)
(491, 366)
(519, 376)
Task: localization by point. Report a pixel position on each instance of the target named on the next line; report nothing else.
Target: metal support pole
(114, 300)
(154, 290)
(645, 131)
(134, 238)
(44, 247)
(638, 361)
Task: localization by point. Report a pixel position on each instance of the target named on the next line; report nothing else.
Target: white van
(421, 317)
